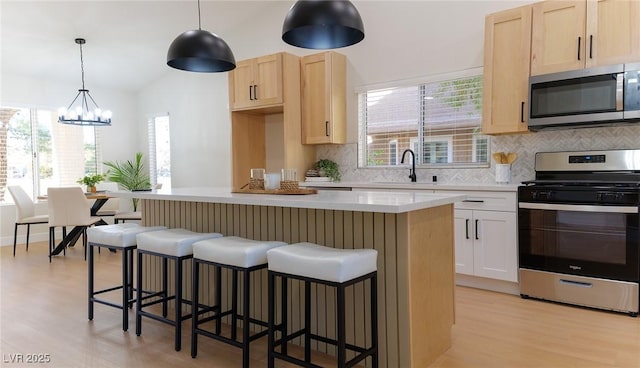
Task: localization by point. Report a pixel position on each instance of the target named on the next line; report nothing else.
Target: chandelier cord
(82, 66)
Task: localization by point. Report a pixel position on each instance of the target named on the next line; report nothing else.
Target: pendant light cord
(199, 25)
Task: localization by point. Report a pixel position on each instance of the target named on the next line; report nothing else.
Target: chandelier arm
(85, 106)
(92, 100)
(74, 100)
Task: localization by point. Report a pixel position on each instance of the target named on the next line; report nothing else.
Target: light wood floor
(44, 310)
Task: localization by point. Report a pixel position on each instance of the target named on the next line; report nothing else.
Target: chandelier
(81, 114)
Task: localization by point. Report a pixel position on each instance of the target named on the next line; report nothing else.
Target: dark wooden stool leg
(139, 295)
(245, 318)
(271, 281)
(178, 299)
(194, 307)
(90, 284)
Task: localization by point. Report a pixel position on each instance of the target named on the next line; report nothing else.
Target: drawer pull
(473, 200)
(576, 283)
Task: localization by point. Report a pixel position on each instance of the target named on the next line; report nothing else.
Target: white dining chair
(69, 207)
(25, 213)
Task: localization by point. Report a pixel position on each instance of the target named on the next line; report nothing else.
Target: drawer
(490, 201)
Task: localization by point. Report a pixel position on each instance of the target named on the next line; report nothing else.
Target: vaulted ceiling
(127, 41)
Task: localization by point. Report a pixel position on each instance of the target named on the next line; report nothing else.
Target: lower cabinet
(485, 231)
(485, 244)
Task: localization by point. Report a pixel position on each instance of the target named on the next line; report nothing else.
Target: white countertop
(363, 201)
(413, 186)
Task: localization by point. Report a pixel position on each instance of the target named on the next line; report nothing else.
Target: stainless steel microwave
(595, 96)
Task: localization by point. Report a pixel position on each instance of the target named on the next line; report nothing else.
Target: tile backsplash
(525, 145)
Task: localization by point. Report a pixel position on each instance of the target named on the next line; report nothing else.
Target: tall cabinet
(265, 106)
(506, 71)
(324, 110)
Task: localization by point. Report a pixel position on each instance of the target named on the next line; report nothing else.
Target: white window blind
(440, 121)
(159, 151)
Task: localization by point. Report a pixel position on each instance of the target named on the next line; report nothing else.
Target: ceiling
(127, 41)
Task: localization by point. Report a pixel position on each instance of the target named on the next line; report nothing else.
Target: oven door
(585, 240)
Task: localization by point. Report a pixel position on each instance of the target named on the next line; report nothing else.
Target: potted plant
(328, 168)
(131, 175)
(90, 181)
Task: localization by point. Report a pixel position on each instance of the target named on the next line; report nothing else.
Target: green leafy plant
(329, 168)
(131, 175)
(91, 180)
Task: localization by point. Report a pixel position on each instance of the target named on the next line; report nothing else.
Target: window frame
(363, 134)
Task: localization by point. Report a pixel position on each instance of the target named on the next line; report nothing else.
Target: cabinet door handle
(477, 238)
(579, 42)
(590, 46)
(522, 112)
(473, 200)
(466, 230)
(326, 128)
(255, 92)
(251, 93)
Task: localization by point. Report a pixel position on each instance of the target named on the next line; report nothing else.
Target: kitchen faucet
(412, 171)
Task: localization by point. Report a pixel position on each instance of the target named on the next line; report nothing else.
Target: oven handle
(578, 208)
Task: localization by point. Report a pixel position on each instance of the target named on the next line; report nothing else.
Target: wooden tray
(298, 191)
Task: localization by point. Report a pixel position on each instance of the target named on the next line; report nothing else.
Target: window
(440, 121)
(160, 151)
(40, 153)
(393, 152)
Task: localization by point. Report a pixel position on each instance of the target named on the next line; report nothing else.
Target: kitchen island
(412, 232)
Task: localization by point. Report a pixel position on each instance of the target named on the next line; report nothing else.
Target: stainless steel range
(579, 235)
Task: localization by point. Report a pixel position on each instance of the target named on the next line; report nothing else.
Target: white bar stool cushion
(234, 251)
(172, 242)
(320, 262)
(120, 235)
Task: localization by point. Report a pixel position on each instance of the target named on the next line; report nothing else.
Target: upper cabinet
(506, 71)
(324, 110)
(256, 83)
(570, 35)
(613, 32)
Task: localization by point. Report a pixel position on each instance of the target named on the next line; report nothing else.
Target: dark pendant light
(322, 24)
(200, 51)
(82, 114)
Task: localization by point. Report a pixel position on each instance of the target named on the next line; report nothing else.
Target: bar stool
(241, 256)
(123, 237)
(175, 245)
(339, 268)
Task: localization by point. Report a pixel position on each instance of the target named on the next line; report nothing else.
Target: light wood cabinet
(613, 32)
(324, 109)
(570, 35)
(256, 83)
(506, 71)
(267, 135)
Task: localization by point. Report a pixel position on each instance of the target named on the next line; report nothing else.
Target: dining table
(70, 238)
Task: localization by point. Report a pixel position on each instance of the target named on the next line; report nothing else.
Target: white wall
(198, 106)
